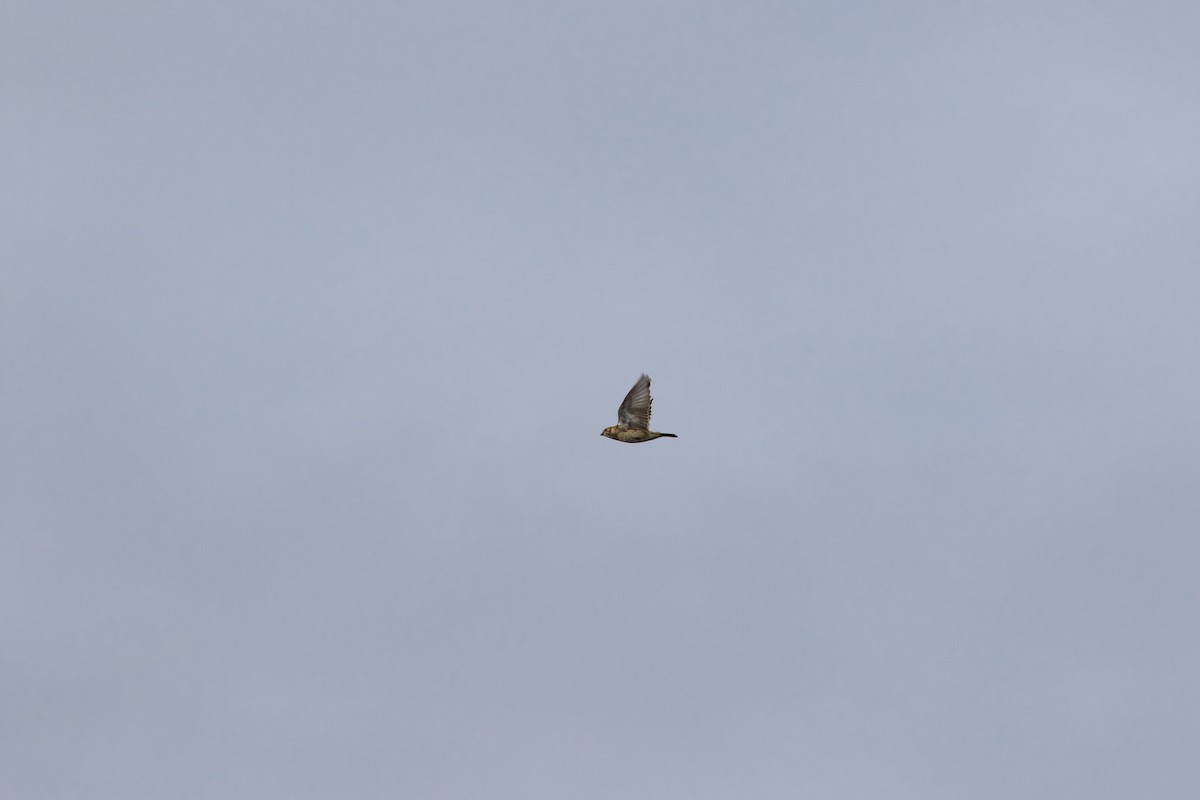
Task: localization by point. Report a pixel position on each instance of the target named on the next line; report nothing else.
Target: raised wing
(635, 408)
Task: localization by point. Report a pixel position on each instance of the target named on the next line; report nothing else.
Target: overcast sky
(312, 315)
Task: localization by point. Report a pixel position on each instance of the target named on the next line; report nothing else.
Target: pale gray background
(313, 313)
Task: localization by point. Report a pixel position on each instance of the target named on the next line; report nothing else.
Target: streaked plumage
(633, 417)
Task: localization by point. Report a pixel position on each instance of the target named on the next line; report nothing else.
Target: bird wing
(635, 408)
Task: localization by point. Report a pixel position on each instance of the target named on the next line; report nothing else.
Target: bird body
(633, 417)
(624, 433)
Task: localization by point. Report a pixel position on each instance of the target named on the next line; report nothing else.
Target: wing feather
(635, 408)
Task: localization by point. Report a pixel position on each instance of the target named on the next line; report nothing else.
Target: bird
(633, 417)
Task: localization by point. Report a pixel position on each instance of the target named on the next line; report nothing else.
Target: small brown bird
(633, 417)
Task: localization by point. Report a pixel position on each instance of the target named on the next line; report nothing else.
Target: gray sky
(312, 316)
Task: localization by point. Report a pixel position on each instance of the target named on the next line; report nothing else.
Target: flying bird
(633, 417)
